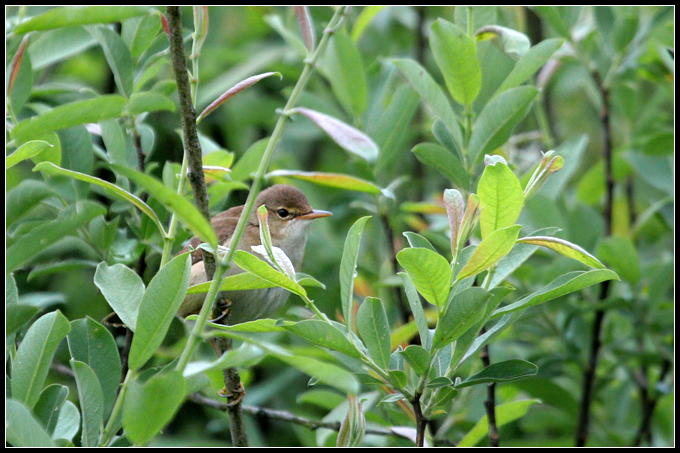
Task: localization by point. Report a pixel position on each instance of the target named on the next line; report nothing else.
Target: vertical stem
(421, 420)
(595, 342)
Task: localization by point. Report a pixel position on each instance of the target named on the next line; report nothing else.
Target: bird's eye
(283, 213)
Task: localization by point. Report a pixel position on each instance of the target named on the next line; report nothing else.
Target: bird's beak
(315, 214)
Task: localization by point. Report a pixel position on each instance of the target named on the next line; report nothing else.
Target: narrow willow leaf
(518, 255)
(80, 15)
(250, 263)
(365, 17)
(442, 160)
(26, 151)
(508, 370)
(235, 282)
(91, 402)
(343, 66)
(501, 198)
(374, 330)
(456, 55)
(513, 43)
(432, 95)
(187, 213)
(22, 429)
(498, 119)
(531, 62)
(490, 250)
(416, 309)
(160, 303)
(144, 413)
(562, 285)
(117, 56)
(49, 406)
(16, 317)
(505, 413)
(258, 325)
(466, 308)
(91, 343)
(565, 248)
(348, 268)
(68, 115)
(346, 136)
(455, 208)
(325, 373)
(336, 180)
(416, 240)
(620, 254)
(148, 101)
(353, 426)
(418, 358)
(429, 272)
(306, 27)
(28, 194)
(290, 37)
(277, 259)
(123, 289)
(34, 356)
(27, 246)
(246, 355)
(324, 334)
(231, 92)
(110, 189)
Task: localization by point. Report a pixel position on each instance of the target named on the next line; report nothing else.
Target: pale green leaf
(429, 272)
(501, 198)
(565, 248)
(492, 248)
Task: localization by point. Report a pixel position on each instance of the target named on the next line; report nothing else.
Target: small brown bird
(289, 218)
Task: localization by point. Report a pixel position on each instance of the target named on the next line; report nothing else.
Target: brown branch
(595, 341)
(196, 178)
(490, 402)
(421, 421)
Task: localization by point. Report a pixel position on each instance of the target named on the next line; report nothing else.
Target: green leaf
(235, 282)
(145, 30)
(346, 136)
(16, 316)
(531, 62)
(505, 413)
(418, 358)
(429, 272)
(91, 343)
(443, 161)
(68, 423)
(344, 69)
(466, 308)
(91, 402)
(565, 248)
(148, 101)
(324, 334)
(416, 240)
(28, 194)
(48, 408)
(26, 151)
(498, 119)
(494, 247)
(348, 267)
(80, 15)
(27, 246)
(562, 285)
(501, 198)
(160, 303)
(34, 356)
(507, 370)
(186, 212)
(324, 372)
(22, 429)
(117, 56)
(374, 330)
(456, 55)
(431, 94)
(365, 17)
(336, 180)
(416, 308)
(144, 413)
(620, 254)
(258, 325)
(250, 263)
(68, 115)
(513, 43)
(123, 290)
(109, 189)
(518, 255)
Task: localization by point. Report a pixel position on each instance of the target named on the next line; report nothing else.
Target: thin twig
(490, 402)
(274, 414)
(598, 322)
(421, 420)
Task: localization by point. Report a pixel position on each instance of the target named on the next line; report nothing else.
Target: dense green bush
(550, 128)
